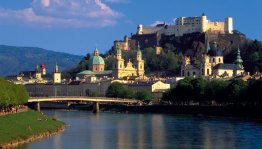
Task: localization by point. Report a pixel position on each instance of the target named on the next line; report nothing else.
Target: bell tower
(118, 64)
(140, 62)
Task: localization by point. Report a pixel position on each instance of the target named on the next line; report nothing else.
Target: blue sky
(78, 26)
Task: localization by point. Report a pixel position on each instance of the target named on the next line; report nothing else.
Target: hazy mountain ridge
(15, 59)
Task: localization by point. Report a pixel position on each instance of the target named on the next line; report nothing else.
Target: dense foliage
(200, 90)
(117, 90)
(11, 94)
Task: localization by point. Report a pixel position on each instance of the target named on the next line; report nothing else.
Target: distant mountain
(15, 59)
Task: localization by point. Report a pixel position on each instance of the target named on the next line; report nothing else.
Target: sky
(79, 26)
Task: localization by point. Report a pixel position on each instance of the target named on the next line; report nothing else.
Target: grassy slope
(25, 124)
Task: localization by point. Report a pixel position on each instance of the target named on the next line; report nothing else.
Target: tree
(11, 94)
(235, 90)
(216, 90)
(143, 95)
(254, 91)
(198, 88)
(115, 90)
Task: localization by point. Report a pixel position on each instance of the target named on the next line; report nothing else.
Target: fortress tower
(228, 25)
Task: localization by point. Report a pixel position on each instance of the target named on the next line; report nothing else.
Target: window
(188, 74)
(207, 71)
(219, 60)
(202, 71)
(194, 73)
(213, 60)
(183, 73)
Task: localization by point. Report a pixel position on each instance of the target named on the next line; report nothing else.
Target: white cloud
(62, 13)
(117, 1)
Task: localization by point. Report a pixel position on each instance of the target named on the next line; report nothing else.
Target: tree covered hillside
(16, 59)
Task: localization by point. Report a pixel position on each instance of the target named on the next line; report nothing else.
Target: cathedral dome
(96, 59)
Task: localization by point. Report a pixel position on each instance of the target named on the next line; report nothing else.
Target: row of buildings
(38, 76)
(132, 73)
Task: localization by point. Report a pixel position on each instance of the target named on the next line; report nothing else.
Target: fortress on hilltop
(150, 36)
(184, 25)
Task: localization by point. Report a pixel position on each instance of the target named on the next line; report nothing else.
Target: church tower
(184, 66)
(239, 60)
(38, 75)
(140, 62)
(118, 65)
(206, 68)
(56, 75)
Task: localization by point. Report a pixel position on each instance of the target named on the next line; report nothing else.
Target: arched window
(207, 71)
(188, 73)
(194, 73)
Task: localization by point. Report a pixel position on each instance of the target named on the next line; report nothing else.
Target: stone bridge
(95, 100)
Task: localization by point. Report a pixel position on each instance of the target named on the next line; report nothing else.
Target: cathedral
(120, 70)
(212, 64)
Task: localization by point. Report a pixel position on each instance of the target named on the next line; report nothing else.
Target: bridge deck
(81, 98)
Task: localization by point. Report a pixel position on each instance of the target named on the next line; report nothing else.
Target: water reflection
(154, 131)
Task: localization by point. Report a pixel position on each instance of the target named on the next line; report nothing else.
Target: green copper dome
(96, 59)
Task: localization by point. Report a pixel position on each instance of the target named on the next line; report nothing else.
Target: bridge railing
(82, 97)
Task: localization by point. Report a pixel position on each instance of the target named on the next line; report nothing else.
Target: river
(149, 131)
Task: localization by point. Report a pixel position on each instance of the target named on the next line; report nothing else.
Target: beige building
(155, 88)
(120, 70)
(184, 25)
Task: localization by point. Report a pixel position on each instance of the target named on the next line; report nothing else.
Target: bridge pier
(37, 106)
(95, 107)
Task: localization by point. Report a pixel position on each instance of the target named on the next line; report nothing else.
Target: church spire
(56, 68)
(238, 60)
(207, 46)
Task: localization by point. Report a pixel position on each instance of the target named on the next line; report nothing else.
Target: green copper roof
(138, 50)
(89, 72)
(95, 60)
(96, 50)
(238, 60)
(207, 46)
(118, 51)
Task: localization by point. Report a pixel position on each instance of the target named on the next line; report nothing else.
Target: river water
(149, 131)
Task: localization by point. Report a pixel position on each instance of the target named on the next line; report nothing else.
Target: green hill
(15, 59)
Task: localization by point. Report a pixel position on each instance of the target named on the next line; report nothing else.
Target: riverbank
(26, 127)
